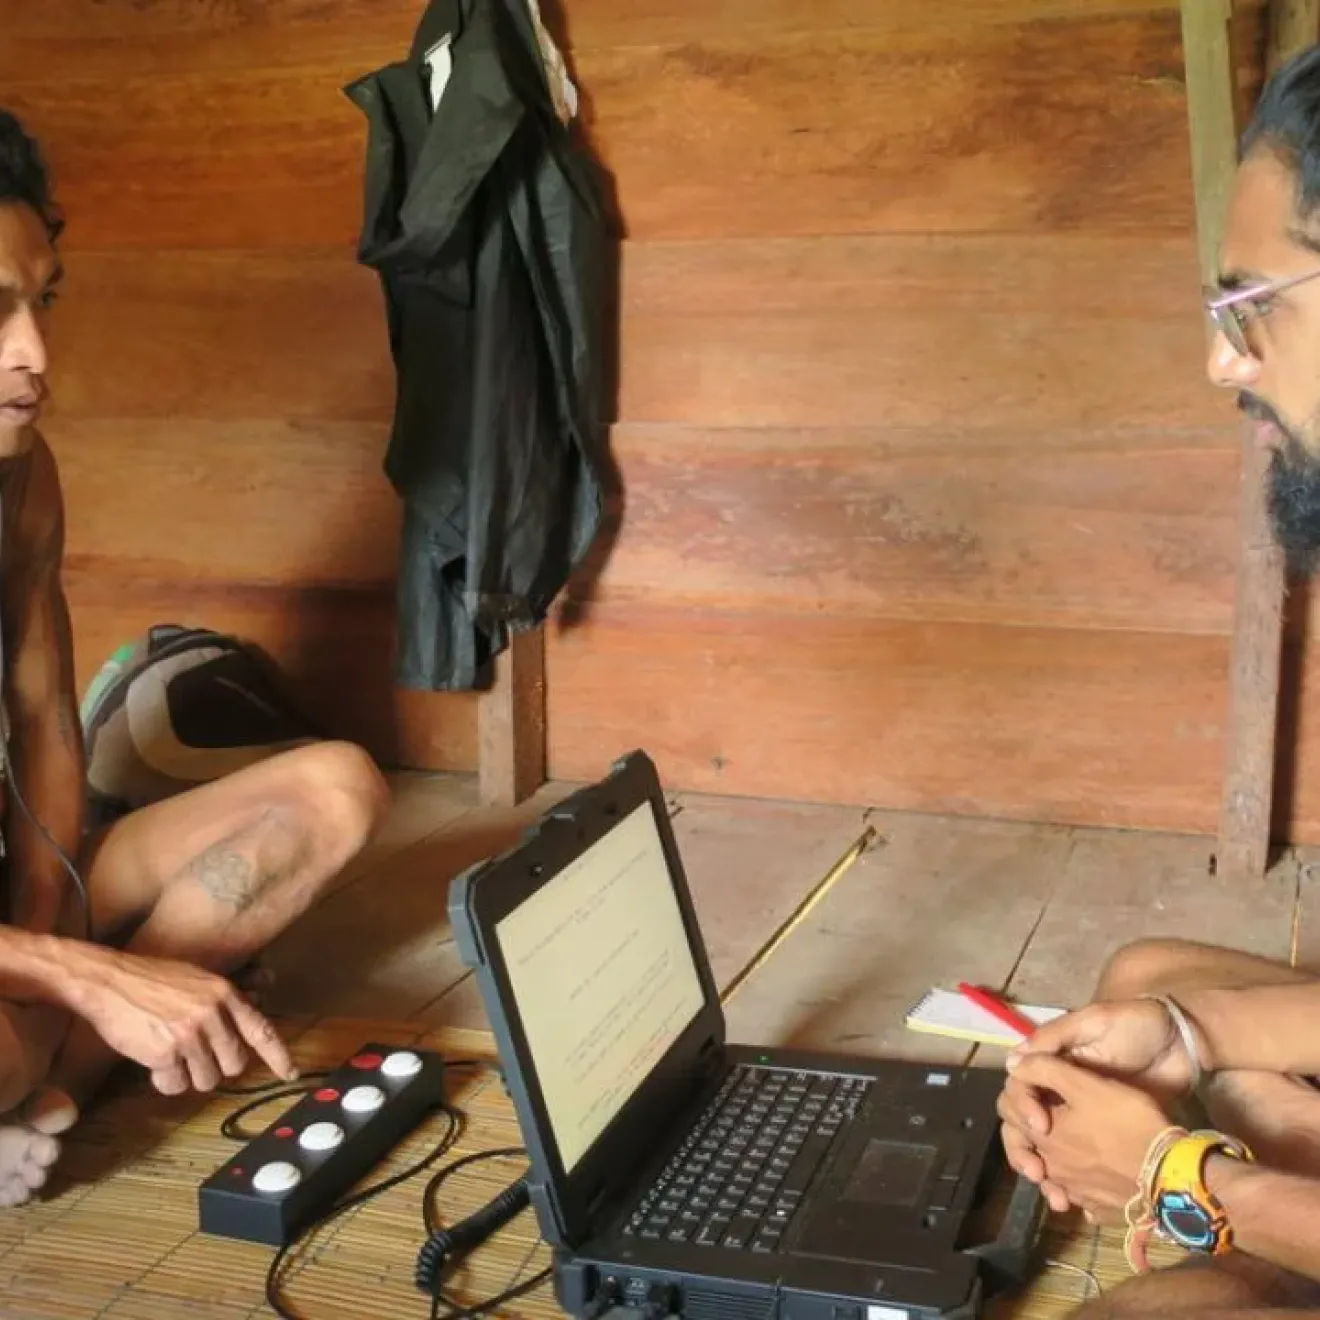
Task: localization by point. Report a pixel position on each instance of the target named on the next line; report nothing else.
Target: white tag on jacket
(440, 63)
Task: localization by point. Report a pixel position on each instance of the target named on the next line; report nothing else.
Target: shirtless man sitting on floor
(1091, 1093)
(182, 892)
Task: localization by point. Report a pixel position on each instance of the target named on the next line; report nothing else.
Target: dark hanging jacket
(485, 222)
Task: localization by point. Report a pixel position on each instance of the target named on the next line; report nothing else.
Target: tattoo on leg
(238, 870)
(228, 876)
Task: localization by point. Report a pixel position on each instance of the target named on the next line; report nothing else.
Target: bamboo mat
(115, 1239)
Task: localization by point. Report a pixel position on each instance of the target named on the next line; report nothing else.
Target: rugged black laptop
(677, 1174)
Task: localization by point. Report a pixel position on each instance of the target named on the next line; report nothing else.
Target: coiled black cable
(444, 1244)
(450, 1135)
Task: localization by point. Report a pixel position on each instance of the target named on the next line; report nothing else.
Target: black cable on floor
(266, 1092)
(262, 1087)
(445, 1143)
(484, 1308)
(229, 1124)
(429, 1269)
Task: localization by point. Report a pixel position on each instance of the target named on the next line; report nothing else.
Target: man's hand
(1026, 1121)
(1132, 1040)
(1096, 1138)
(183, 1024)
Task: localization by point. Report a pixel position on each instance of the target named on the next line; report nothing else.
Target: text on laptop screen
(602, 974)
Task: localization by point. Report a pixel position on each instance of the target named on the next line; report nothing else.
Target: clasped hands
(1085, 1098)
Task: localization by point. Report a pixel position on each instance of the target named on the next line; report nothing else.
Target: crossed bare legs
(1277, 1116)
(209, 877)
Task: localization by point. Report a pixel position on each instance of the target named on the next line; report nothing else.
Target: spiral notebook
(943, 1012)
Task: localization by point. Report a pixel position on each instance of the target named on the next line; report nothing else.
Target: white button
(277, 1177)
(402, 1063)
(363, 1099)
(321, 1136)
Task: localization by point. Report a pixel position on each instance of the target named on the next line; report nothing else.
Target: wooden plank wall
(928, 502)
(222, 384)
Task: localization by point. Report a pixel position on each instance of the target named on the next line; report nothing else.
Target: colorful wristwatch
(1185, 1209)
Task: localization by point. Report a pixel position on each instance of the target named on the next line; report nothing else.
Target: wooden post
(1246, 802)
(1211, 121)
(511, 763)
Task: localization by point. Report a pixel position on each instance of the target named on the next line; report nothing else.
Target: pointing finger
(263, 1038)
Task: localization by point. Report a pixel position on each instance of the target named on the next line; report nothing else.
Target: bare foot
(28, 1145)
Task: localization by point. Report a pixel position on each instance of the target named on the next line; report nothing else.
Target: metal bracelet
(1185, 1033)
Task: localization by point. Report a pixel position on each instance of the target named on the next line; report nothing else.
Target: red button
(284, 1132)
(326, 1094)
(236, 1172)
(366, 1061)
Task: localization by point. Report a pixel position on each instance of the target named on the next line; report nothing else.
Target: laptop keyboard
(738, 1179)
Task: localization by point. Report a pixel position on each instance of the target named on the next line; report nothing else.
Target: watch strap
(1179, 1178)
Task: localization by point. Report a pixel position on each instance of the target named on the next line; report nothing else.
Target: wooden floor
(1031, 909)
(1035, 910)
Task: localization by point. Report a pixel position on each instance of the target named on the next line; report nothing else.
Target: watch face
(1185, 1222)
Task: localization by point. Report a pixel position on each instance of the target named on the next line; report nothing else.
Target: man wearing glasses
(1183, 1102)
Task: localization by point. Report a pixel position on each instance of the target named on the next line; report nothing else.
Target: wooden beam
(1252, 726)
(511, 761)
(1212, 126)
(1246, 803)
(1248, 787)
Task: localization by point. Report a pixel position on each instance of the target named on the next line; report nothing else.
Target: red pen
(997, 1008)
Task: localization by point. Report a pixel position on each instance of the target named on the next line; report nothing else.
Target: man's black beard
(1292, 493)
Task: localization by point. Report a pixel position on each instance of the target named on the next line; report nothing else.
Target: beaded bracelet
(1138, 1213)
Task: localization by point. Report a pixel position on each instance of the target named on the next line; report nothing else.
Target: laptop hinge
(707, 1066)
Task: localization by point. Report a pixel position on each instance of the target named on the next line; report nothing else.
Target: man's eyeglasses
(1229, 310)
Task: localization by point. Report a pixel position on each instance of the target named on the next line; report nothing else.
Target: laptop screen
(600, 968)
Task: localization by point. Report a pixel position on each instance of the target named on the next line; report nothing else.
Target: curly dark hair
(23, 173)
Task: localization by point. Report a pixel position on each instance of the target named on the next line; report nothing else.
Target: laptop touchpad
(874, 1211)
(890, 1173)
